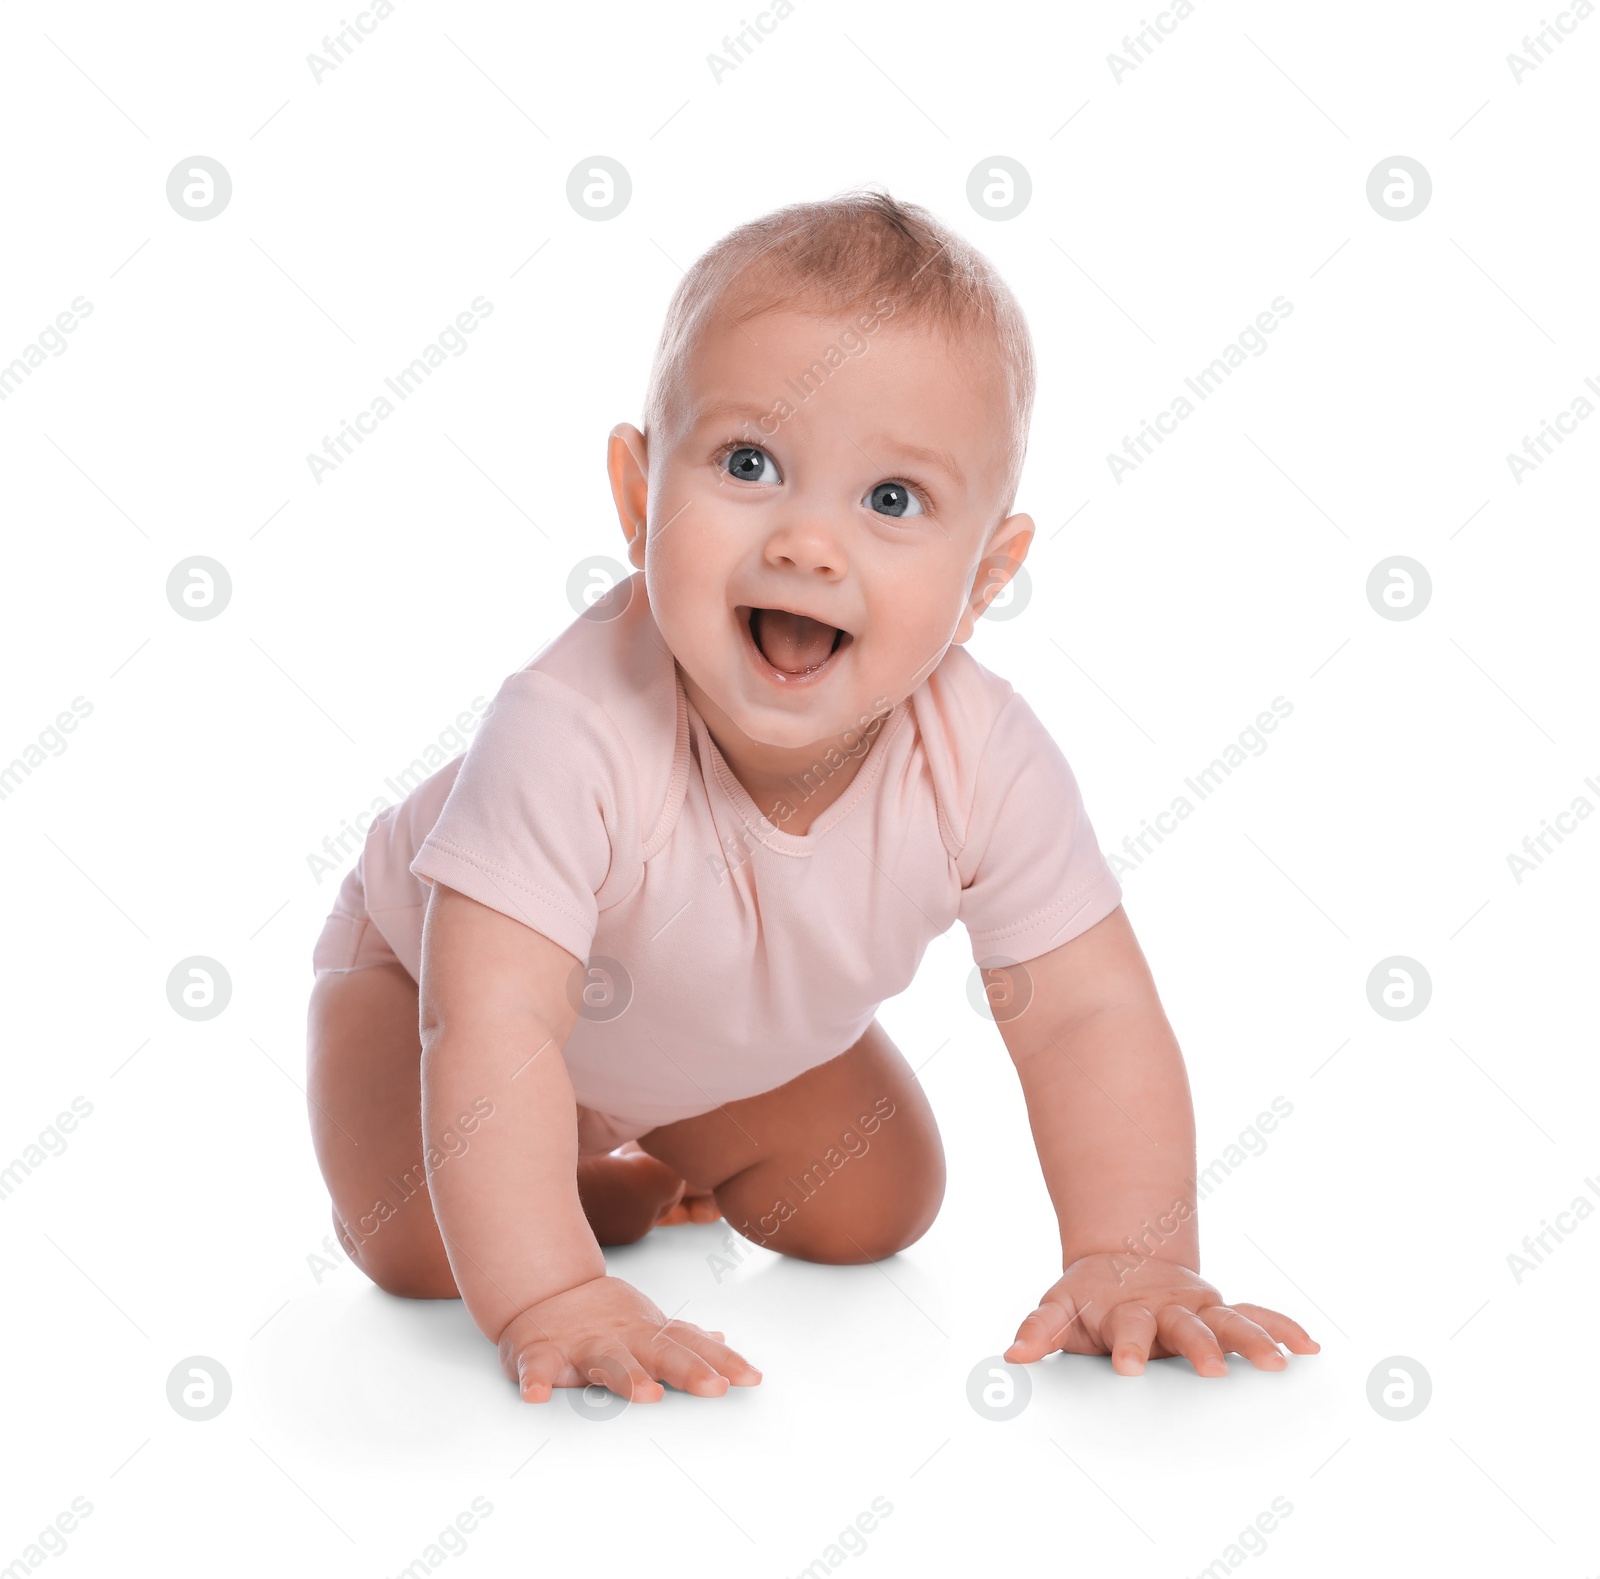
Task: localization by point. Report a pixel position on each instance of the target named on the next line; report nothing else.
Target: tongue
(791, 642)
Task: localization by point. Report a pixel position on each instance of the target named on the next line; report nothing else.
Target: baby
(618, 965)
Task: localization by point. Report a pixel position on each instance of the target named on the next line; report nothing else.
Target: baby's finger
(1042, 1332)
(1243, 1335)
(1283, 1328)
(1128, 1332)
(615, 1367)
(1185, 1333)
(679, 1365)
(710, 1347)
(538, 1366)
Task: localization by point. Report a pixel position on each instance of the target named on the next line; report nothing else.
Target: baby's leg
(364, 1081)
(841, 1164)
(364, 1084)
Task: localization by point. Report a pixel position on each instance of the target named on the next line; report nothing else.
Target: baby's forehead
(754, 319)
(794, 349)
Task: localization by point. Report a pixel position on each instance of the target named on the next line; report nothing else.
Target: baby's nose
(808, 541)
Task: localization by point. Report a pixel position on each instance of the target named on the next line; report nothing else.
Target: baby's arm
(494, 1019)
(1108, 1102)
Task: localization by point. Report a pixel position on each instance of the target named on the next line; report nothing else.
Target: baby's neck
(791, 786)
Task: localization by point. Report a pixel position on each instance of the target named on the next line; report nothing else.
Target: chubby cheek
(689, 564)
(907, 632)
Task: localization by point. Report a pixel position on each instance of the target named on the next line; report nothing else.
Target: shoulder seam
(656, 824)
(983, 758)
(647, 840)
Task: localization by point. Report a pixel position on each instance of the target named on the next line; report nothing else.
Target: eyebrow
(748, 409)
(941, 460)
(753, 412)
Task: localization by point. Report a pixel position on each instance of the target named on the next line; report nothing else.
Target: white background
(1167, 611)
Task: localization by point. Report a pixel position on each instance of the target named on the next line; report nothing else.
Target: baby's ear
(1008, 547)
(628, 465)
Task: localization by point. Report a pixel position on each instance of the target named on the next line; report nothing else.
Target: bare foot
(627, 1192)
(694, 1206)
(697, 1206)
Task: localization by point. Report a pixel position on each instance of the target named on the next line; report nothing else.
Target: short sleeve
(541, 823)
(1033, 875)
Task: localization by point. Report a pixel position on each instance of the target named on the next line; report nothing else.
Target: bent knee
(851, 1227)
(837, 1245)
(397, 1264)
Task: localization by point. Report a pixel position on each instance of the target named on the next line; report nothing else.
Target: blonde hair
(845, 252)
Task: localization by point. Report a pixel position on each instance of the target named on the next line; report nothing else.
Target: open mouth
(790, 646)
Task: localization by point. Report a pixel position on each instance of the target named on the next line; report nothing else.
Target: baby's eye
(894, 498)
(751, 465)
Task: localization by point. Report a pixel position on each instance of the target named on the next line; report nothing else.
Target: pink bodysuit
(724, 955)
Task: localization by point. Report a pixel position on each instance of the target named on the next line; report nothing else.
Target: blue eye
(751, 464)
(894, 498)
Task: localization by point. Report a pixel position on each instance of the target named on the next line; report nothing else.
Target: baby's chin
(802, 725)
(813, 727)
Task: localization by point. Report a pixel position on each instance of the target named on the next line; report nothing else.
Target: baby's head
(833, 433)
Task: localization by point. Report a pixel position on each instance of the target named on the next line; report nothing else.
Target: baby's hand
(606, 1331)
(1103, 1305)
